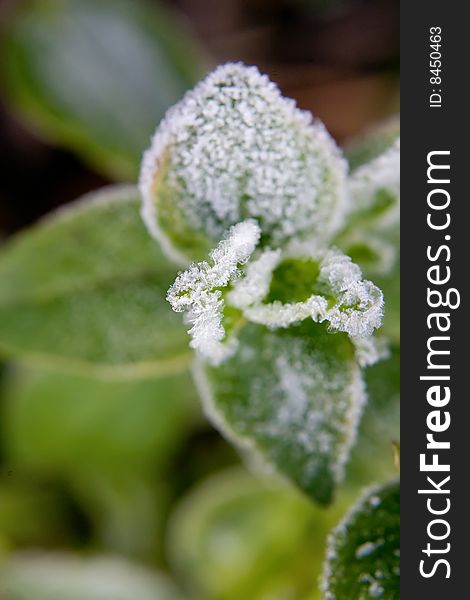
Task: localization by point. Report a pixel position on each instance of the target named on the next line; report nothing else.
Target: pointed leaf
(293, 397)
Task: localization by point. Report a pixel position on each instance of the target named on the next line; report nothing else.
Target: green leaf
(363, 556)
(234, 537)
(294, 397)
(54, 576)
(97, 76)
(84, 290)
(64, 423)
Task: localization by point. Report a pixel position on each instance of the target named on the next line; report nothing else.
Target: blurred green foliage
(96, 75)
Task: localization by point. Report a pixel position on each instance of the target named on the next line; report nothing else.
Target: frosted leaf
(292, 398)
(359, 310)
(256, 281)
(235, 148)
(380, 174)
(196, 291)
(363, 558)
(372, 143)
(276, 314)
(342, 298)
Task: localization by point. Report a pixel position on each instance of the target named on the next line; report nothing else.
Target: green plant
(287, 331)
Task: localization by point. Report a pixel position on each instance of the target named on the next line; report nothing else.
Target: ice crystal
(357, 310)
(196, 291)
(233, 148)
(370, 349)
(255, 284)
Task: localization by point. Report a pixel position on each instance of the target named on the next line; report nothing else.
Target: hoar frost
(235, 148)
(196, 290)
(356, 310)
(358, 307)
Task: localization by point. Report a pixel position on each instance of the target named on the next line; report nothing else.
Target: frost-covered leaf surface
(234, 148)
(97, 76)
(197, 290)
(42, 576)
(363, 555)
(371, 235)
(291, 398)
(66, 423)
(337, 294)
(276, 292)
(85, 289)
(371, 232)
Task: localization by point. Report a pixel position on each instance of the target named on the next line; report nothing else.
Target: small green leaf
(85, 290)
(97, 75)
(363, 556)
(294, 397)
(54, 576)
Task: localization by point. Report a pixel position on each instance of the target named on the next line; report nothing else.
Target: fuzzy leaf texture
(322, 286)
(96, 75)
(363, 555)
(292, 399)
(235, 149)
(84, 291)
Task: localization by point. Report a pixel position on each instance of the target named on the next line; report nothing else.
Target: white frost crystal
(234, 148)
(346, 301)
(358, 306)
(196, 291)
(256, 281)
